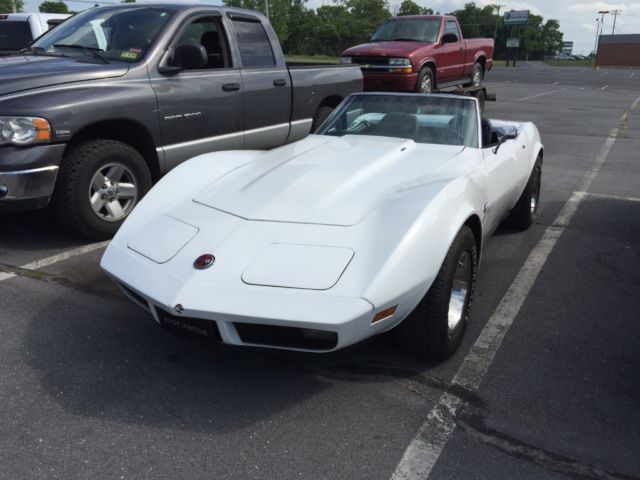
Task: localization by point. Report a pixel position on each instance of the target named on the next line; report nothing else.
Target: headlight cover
(399, 62)
(346, 60)
(24, 130)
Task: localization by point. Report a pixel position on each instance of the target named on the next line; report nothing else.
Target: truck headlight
(346, 60)
(24, 130)
(399, 62)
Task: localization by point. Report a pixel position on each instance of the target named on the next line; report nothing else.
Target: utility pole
(13, 6)
(615, 15)
(602, 13)
(497, 7)
(266, 7)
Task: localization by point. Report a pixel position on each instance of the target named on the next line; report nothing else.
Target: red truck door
(451, 54)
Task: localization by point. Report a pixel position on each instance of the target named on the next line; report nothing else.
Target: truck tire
(477, 75)
(320, 116)
(426, 81)
(524, 213)
(99, 183)
(436, 326)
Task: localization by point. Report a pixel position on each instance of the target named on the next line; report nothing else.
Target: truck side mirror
(190, 56)
(449, 38)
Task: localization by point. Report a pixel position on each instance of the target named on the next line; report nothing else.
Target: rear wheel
(436, 327)
(476, 76)
(99, 184)
(525, 212)
(320, 116)
(426, 81)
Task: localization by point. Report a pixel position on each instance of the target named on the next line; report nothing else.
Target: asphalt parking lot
(545, 385)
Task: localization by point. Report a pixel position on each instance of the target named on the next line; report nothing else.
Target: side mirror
(190, 56)
(503, 138)
(449, 38)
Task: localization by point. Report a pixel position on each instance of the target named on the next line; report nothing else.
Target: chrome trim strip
(295, 123)
(33, 170)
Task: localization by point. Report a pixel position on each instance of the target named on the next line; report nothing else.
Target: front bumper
(244, 315)
(28, 175)
(389, 82)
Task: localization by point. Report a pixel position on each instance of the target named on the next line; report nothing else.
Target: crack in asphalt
(472, 421)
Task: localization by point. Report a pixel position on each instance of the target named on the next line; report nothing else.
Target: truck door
(266, 83)
(451, 55)
(200, 110)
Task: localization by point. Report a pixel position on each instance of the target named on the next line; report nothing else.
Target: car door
(506, 176)
(266, 83)
(200, 110)
(450, 55)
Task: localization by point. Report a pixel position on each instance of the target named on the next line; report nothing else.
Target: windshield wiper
(90, 50)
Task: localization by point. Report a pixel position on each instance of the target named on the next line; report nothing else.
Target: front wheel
(99, 184)
(436, 327)
(426, 81)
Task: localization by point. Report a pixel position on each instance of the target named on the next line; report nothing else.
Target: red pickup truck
(421, 53)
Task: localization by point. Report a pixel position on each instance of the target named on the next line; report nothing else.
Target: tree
(53, 7)
(128, 1)
(6, 6)
(409, 7)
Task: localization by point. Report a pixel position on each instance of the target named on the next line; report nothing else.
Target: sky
(577, 19)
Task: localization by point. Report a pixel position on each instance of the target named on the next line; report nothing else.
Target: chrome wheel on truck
(426, 81)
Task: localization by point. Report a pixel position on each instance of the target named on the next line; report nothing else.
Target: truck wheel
(426, 81)
(524, 213)
(320, 116)
(476, 76)
(99, 183)
(436, 327)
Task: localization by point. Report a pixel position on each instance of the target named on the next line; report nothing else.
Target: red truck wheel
(426, 81)
(476, 76)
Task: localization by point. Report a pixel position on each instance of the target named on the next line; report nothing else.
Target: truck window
(14, 35)
(209, 33)
(254, 45)
(452, 27)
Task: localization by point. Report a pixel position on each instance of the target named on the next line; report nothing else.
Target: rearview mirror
(510, 135)
(189, 56)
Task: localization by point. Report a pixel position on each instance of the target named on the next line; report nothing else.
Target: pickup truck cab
(102, 106)
(18, 29)
(419, 53)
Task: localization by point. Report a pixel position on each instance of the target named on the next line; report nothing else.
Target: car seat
(400, 125)
(211, 42)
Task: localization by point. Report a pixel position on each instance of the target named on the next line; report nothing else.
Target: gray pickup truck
(96, 110)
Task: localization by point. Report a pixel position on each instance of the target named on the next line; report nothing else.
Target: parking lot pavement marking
(635, 104)
(612, 197)
(45, 262)
(605, 87)
(543, 94)
(424, 450)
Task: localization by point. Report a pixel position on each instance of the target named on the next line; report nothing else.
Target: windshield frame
(61, 33)
(385, 25)
(346, 103)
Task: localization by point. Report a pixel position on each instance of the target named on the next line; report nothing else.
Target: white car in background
(377, 221)
(17, 30)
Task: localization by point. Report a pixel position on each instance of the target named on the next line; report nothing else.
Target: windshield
(120, 33)
(14, 35)
(443, 120)
(408, 29)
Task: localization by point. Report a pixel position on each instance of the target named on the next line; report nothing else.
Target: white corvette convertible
(376, 221)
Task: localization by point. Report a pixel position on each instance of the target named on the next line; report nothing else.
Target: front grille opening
(136, 297)
(288, 337)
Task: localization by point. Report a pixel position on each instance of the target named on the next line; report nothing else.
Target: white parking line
(543, 94)
(424, 450)
(45, 262)
(605, 87)
(612, 197)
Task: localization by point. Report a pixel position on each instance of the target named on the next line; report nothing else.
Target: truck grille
(370, 60)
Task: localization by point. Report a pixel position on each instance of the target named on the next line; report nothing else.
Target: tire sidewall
(423, 73)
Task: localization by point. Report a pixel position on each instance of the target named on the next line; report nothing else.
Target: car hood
(386, 49)
(19, 73)
(335, 183)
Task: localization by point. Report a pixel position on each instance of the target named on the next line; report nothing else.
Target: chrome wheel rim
(535, 195)
(425, 86)
(459, 291)
(113, 192)
(476, 77)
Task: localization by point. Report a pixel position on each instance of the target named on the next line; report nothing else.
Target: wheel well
(473, 222)
(482, 61)
(332, 101)
(126, 131)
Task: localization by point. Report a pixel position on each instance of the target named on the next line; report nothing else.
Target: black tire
(73, 192)
(320, 116)
(524, 213)
(425, 332)
(426, 77)
(479, 71)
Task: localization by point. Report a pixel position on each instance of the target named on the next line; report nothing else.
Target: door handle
(230, 87)
(461, 49)
(280, 82)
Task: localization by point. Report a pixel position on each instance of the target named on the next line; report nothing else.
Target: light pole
(602, 13)
(497, 7)
(13, 6)
(615, 16)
